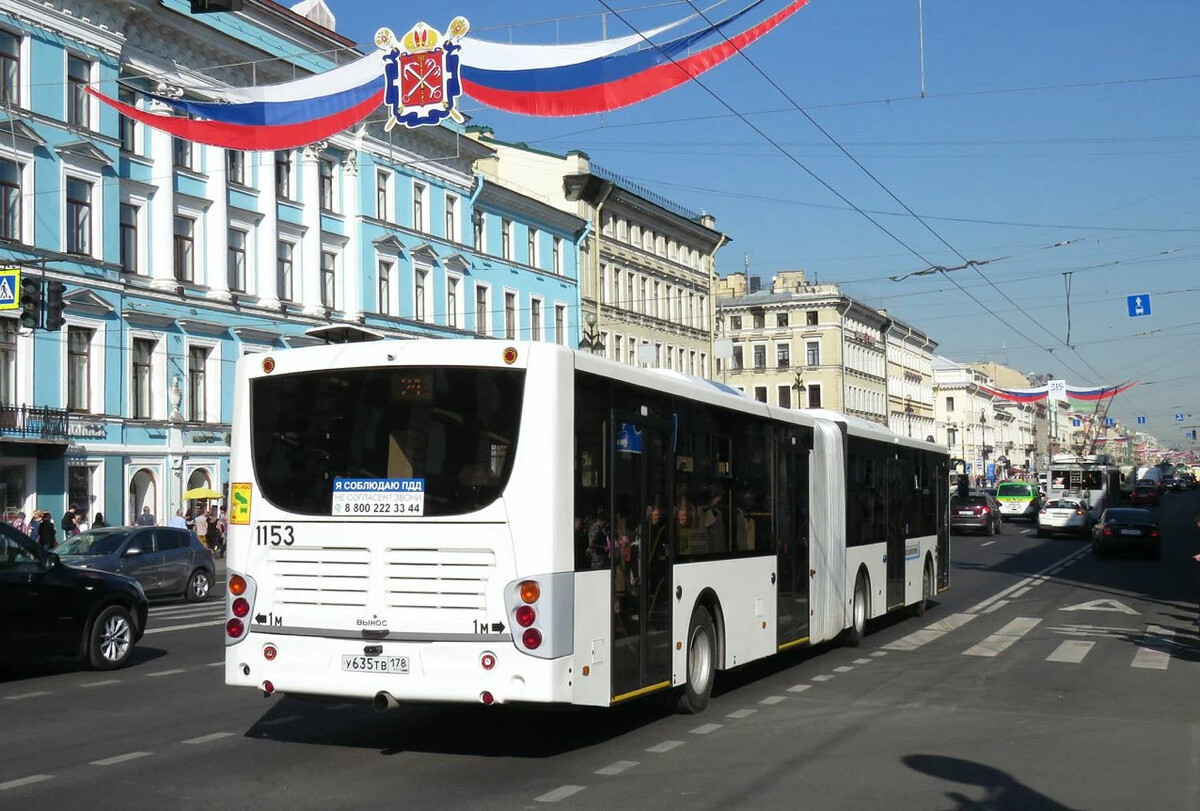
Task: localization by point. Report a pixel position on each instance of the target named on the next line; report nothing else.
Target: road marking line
(560, 793)
(879, 653)
(930, 632)
(216, 664)
(843, 669)
(1000, 641)
(665, 746)
(741, 713)
(287, 719)
(862, 661)
(824, 677)
(27, 695)
(1063, 563)
(770, 700)
(101, 683)
(1021, 592)
(996, 606)
(798, 688)
(112, 761)
(704, 729)
(25, 781)
(165, 673)
(1154, 652)
(183, 627)
(1071, 651)
(215, 736)
(617, 768)
(986, 543)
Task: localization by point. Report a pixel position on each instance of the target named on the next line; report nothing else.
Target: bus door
(895, 531)
(791, 517)
(641, 550)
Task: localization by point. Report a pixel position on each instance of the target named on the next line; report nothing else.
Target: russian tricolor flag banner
(420, 75)
(1042, 392)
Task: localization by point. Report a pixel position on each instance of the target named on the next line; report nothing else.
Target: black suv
(47, 607)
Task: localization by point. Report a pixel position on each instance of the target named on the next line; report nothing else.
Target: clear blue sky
(1055, 137)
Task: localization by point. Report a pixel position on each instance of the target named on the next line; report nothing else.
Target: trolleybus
(1095, 479)
(481, 521)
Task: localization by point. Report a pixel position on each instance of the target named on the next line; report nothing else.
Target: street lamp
(591, 340)
(800, 389)
(908, 412)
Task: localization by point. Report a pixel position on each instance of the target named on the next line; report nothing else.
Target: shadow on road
(1001, 791)
(31, 667)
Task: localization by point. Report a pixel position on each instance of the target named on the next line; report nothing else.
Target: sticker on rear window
(399, 497)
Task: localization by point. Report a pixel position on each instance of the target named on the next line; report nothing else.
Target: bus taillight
(529, 591)
(532, 638)
(234, 628)
(237, 585)
(525, 615)
(241, 607)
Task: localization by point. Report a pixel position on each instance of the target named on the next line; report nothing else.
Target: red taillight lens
(984, 511)
(241, 607)
(270, 652)
(1108, 530)
(234, 628)
(237, 585)
(525, 615)
(487, 661)
(1154, 533)
(532, 638)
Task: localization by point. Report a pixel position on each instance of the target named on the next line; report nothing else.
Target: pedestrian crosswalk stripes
(1072, 651)
(1155, 651)
(930, 632)
(1000, 641)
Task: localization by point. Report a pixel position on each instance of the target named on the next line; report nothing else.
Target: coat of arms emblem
(421, 73)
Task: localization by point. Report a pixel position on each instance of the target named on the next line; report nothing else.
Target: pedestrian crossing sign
(10, 286)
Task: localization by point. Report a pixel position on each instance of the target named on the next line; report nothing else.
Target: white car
(1064, 515)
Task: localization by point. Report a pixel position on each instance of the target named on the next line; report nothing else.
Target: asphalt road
(1045, 679)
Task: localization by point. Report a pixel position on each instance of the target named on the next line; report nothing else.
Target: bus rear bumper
(358, 669)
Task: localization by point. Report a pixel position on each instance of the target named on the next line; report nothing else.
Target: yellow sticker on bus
(239, 502)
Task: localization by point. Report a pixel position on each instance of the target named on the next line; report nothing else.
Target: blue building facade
(179, 258)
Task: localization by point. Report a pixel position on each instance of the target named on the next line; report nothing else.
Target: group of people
(41, 528)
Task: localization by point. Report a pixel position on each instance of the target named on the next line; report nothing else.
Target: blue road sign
(1139, 305)
(1178, 418)
(1109, 422)
(1075, 423)
(10, 288)
(1141, 420)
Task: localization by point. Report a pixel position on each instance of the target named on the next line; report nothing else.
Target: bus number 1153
(275, 535)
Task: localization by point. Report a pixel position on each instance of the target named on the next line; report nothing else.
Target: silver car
(167, 561)
(1064, 515)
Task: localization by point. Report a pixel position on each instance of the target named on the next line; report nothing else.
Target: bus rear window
(456, 428)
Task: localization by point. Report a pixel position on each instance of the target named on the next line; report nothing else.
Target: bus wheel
(926, 590)
(701, 662)
(858, 628)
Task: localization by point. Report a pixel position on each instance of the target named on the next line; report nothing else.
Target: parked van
(1019, 500)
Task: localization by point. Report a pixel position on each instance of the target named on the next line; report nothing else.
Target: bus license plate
(375, 664)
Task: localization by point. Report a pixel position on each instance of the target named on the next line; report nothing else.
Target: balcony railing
(34, 423)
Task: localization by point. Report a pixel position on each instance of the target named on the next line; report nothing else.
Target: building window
(535, 320)
(532, 248)
(79, 75)
(506, 239)
(10, 200)
(326, 174)
(10, 69)
(783, 356)
(949, 403)
(810, 318)
(236, 261)
(560, 324)
(781, 319)
(197, 390)
(736, 362)
(8, 361)
(420, 280)
(79, 385)
(181, 153)
(556, 256)
(235, 166)
(735, 322)
(79, 216)
(284, 269)
(283, 175)
(126, 126)
(760, 356)
(481, 309)
(418, 210)
(451, 301)
(478, 231)
(385, 287)
(510, 316)
(616, 287)
(143, 351)
(951, 437)
(812, 353)
(451, 218)
(814, 396)
(383, 194)
(328, 279)
(760, 393)
(185, 249)
(760, 320)
(784, 393)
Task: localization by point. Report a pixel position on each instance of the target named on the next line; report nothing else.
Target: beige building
(801, 345)
(646, 282)
(909, 380)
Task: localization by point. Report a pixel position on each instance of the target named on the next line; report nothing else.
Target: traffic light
(54, 306)
(31, 303)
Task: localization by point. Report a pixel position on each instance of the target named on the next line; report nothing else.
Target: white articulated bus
(481, 521)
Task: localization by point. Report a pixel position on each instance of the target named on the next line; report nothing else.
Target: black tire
(198, 586)
(990, 529)
(926, 590)
(111, 637)
(701, 662)
(858, 621)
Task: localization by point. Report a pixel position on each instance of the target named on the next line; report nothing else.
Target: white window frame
(96, 361)
(560, 337)
(158, 373)
(74, 171)
(513, 296)
(426, 314)
(557, 255)
(420, 194)
(384, 304)
(24, 160)
(454, 313)
(487, 308)
(212, 379)
(93, 103)
(534, 246)
(537, 331)
(383, 183)
(452, 215)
